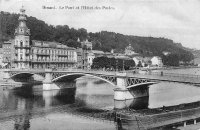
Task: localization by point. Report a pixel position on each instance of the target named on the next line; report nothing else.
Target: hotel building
(26, 53)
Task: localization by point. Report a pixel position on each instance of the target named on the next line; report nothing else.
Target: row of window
(21, 43)
(63, 65)
(8, 52)
(52, 51)
(6, 47)
(21, 51)
(46, 58)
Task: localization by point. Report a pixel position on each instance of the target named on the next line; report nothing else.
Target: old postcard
(99, 64)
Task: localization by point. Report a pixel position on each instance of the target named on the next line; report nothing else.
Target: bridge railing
(97, 71)
(173, 74)
(104, 71)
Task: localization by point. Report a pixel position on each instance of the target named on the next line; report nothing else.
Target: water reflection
(22, 122)
(84, 96)
(140, 103)
(24, 103)
(170, 94)
(136, 104)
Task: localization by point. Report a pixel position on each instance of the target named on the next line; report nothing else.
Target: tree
(171, 60)
(129, 64)
(72, 43)
(112, 63)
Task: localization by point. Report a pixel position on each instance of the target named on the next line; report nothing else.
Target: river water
(80, 104)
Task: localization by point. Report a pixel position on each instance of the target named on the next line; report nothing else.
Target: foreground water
(29, 107)
(79, 105)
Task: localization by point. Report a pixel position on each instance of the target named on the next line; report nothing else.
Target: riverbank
(159, 117)
(169, 68)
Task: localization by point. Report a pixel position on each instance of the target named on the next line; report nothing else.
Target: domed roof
(22, 29)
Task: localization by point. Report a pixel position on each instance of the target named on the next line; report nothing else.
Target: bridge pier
(6, 74)
(121, 93)
(184, 124)
(47, 82)
(195, 121)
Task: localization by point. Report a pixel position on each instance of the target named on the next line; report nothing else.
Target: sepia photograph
(99, 64)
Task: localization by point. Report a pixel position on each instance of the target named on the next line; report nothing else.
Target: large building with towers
(22, 52)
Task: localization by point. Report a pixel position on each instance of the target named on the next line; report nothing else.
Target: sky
(178, 20)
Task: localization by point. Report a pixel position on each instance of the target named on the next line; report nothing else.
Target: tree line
(112, 64)
(104, 40)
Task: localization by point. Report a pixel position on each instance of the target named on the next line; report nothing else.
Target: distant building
(8, 53)
(109, 55)
(137, 60)
(146, 62)
(1, 58)
(197, 61)
(97, 53)
(157, 61)
(90, 59)
(86, 44)
(87, 47)
(166, 53)
(1, 55)
(79, 52)
(123, 57)
(112, 51)
(129, 50)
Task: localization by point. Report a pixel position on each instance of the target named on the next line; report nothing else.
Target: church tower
(22, 43)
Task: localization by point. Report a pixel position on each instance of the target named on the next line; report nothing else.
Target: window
(21, 56)
(26, 42)
(21, 43)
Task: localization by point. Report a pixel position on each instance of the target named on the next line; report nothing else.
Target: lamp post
(116, 64)
(123, 64)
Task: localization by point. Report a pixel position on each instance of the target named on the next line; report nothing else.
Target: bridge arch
(24, 75)
(21, 75)
(73, 76)
(141, 85)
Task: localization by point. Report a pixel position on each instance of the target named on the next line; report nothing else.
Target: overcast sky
(178, 20)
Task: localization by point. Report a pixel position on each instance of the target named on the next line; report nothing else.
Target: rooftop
(49, 44)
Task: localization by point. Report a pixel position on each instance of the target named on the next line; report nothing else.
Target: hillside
(146, 46)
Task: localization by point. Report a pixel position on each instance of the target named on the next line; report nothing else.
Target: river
(81, 104)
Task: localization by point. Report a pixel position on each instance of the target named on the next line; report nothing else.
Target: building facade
(52, 55)
(7, 53)
(79, 52)
(26, 53)
(90, 59)
(86, 45)
(129, 50)
(157, 61)
(22, 43)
